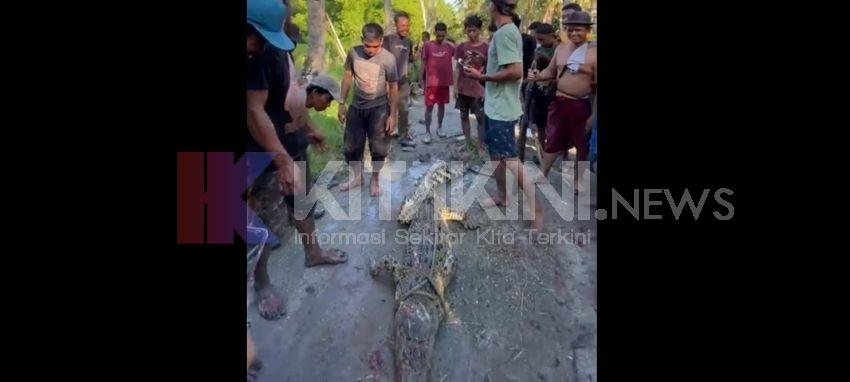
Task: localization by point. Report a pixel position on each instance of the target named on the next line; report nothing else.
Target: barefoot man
(469, 93)
(502, 107)
(574, 68)
(373, 71)
(269, 73)
(437, 61)
(400, 45)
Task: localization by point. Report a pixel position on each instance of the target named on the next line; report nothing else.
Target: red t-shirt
(465, 85)
(438, 63)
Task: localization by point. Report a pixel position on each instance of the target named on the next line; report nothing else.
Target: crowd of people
(534, 81)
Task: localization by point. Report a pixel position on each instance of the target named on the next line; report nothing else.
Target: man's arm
(510, 72)
(262, 129)
(509, 61)
(347, 80)
(548, 73)
(456, 68)
(392, 89)
(593, 107)
(392, 92)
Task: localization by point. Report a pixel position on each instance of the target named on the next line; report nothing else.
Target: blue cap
(267, 16)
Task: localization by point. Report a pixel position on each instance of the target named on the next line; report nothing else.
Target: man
(574, 68)
(374, 72)
(502, 104)
(437, 59)
(538, 102)
(401, 48)
(469, 93)
(528, 46)
(270, 70)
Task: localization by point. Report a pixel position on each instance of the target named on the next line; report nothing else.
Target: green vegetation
(349, 17)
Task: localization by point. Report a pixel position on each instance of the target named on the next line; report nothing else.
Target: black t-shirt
(270, 71)
(529, 45)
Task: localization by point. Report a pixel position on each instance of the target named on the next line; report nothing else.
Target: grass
(329, 125)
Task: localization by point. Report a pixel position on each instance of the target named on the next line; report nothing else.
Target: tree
(547, 18)
(316, 31)
(389, 25)
(431, 8)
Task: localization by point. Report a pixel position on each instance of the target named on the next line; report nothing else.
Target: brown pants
(402, 123)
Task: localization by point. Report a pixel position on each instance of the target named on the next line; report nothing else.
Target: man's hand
(532, 75)
(289, 177)
(317, 139)
(390, 129)
(588, 125)
(343, 110)
(473, 73)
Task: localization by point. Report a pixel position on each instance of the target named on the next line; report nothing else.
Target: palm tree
(389, 26)
(316, 22)
(547, 18)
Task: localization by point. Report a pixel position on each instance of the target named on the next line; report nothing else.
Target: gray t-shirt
(400, 48)
(371, 76)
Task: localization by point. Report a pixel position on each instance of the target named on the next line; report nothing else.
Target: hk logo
(210, 206)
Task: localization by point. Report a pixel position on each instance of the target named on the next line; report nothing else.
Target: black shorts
(539, 108)
(467, 104)
(265, 189)
(368, 123)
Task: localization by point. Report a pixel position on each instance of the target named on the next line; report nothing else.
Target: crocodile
(439, 173)
(420, 285)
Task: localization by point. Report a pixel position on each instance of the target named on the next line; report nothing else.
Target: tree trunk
(547, 18)
(389, 26)
(316, 29)
(424, 15)
(432, 16)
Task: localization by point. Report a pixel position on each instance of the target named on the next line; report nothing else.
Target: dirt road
(520, 311)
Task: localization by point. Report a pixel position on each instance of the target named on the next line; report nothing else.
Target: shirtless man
(570, 111)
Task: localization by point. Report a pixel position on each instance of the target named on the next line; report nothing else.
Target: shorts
(500, 138)
(366, 123)
(265, 188)
(567, 121)
(436, 95)
(467, 104)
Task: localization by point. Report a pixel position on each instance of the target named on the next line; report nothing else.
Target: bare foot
(353, 183)
(270, 305)
(326, 257)
(254, 370)
(537, 223)
(374, 189)
(492, 202)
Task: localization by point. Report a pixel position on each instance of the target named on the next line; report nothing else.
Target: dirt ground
(520, 311)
